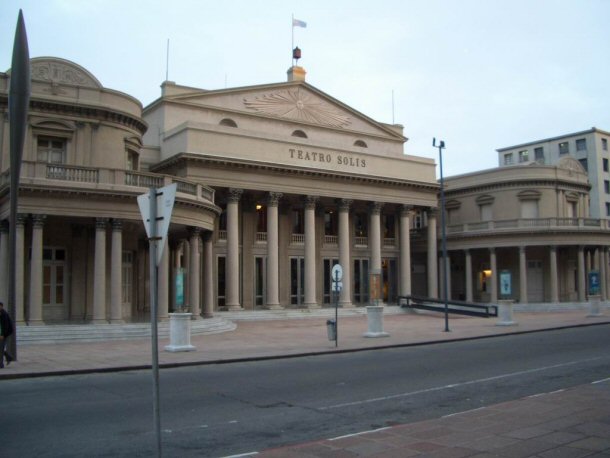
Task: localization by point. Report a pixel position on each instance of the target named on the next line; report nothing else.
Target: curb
(285, 356)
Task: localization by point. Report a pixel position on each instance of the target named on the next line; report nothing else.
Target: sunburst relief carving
(299, 106)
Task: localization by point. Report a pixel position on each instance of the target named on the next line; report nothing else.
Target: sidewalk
(256, 339)
(570, 423)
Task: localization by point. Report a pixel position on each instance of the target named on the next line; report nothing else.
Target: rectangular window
(261, 218)
(607, 186)
(132, 160)
(259, 280)
(508, 159)
(298, 221)
(361, 224)
(585, 164)
(50, 150)
(604, 144)
(529, 209)
(564, 148)
(389, 226)
(605, 164)
(539, 154)
(486, 214)
(330, 222)
(581, 144)
(607, 209)
(523, 156)
(221, 280)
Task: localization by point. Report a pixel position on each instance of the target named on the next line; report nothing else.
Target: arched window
(299, 133)
(360, 143)
(228, 122)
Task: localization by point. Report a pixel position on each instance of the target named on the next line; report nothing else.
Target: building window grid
(564, 148)
(604, 144)
(508, 159)
(581, 144)
(523, 156)
(605, 164)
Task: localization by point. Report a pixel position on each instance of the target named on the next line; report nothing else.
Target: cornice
(87, 111)
(548, 182)
(292, 170)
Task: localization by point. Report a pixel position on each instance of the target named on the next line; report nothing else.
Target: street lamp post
(440, 147)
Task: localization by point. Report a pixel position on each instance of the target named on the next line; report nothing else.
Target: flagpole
(292, 43)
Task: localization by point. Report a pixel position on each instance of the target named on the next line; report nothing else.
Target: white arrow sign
(157, 232)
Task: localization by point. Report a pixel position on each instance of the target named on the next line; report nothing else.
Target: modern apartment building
(589, 147)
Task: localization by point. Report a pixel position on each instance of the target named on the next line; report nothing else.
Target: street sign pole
(337, 291)
(152, 241)
(156, 222)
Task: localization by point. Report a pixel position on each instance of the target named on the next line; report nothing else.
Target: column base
(99, 321)
(273, 307)
(346, 305)
(35, 323)
(117, 321)
(196, 317)
(234, 308)
(311, 306)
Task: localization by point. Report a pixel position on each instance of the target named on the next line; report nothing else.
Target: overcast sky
(478, 74)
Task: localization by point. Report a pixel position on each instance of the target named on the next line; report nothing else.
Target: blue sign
(180, 287)
(506, 286)
(594, 282)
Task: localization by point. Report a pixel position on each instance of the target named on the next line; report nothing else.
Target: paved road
(227, 409)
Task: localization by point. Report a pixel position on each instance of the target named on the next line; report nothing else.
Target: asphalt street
(227, 409)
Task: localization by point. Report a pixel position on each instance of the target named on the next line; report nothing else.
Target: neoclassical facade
(276, 184)
(304, 182)
(531, 221)
(81, 245)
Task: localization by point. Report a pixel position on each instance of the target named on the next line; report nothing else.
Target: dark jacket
(6, 324)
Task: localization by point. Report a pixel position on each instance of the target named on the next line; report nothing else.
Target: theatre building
(276, 183)
(304, 182)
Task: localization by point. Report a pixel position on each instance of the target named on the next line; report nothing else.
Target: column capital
(432, 212)
(311, 201)
(492, 250)
(522, 249)
(406, 210)
(466, 251)
(344, 204)
(21, 219)
(376, 207)
(101, 223)
(38, 220)
(117, 224)
(234, 194)
(273, 199)
(194, 231)
(208, 236)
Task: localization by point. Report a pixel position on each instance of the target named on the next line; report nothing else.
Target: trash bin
(331, 328)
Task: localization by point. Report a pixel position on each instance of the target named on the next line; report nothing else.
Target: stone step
(96, 332)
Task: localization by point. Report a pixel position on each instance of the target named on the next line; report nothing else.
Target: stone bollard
(374, 314)
(505, 313)
(594, 306)
(179, 332)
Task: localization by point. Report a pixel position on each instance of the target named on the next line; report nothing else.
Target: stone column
(494, 275)
(522, 275)
(273, 272)
(310, 252)
(375, 236)
(194, 296)
(582, 297)
(345, 298)
(35, 315)
(468, 267)
(554, 275)
(602, 272)
(405, 250)
(4, 262)
(432, 254)
(116, 271)
(163, 283)
(20, 266)
(232, 266)
(99, 272)
(208, 276)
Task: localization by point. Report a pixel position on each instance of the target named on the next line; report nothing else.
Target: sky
(477, 74)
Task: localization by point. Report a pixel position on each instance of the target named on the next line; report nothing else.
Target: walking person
(6, 328)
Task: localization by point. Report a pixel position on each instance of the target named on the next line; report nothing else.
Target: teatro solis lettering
(313, 156)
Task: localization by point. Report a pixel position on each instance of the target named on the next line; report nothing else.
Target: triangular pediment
(296, 102)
